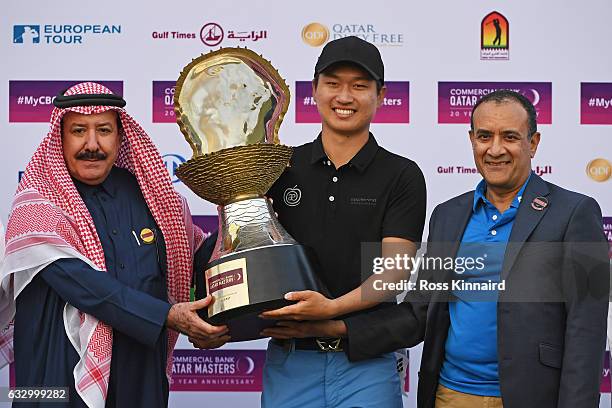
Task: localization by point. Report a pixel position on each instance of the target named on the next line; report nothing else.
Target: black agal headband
(68, 101)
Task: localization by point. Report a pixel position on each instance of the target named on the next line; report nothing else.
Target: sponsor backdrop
(440, 58)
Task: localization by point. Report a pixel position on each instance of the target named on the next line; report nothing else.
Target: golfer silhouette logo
(494, 31)
(498, 32)
(26, 34)
(494, 37)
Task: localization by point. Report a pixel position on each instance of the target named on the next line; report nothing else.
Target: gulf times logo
(68, 34)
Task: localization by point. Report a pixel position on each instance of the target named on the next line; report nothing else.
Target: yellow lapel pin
(147, 236)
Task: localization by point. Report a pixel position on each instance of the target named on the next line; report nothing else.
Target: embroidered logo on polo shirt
(362, 201)
(292, 196)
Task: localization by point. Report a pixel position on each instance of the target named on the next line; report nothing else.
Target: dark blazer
(551, 318)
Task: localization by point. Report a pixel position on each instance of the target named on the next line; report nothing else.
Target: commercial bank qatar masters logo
(457, 99)
(494, 37)
(217, 370)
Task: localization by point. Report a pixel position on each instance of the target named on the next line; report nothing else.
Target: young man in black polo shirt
(342, 189)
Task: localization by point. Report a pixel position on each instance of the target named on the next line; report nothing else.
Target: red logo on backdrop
(211, 34)
(225, 280)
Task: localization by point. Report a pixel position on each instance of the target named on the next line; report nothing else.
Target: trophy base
(250, 282)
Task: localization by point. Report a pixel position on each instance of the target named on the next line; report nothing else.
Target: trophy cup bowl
(229, 105)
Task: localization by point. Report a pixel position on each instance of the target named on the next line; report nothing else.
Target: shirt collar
(318, 153)
(481, 189)
(109, 185)
(360, 161)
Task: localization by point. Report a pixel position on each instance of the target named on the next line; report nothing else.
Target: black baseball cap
(354, 50)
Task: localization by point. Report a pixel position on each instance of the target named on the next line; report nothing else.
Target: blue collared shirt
(470, 364)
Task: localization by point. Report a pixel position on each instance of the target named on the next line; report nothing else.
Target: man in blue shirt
(470, 364)
(534, 335)
(99, 256)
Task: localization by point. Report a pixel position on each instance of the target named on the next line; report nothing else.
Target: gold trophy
(229, 105)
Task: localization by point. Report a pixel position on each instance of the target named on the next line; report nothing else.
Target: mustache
(91, 155)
